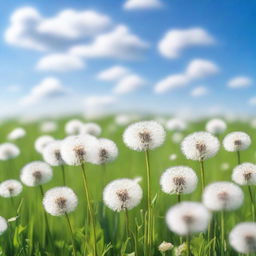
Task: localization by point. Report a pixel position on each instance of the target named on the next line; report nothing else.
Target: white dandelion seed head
(178, 180)
(200, 146)
(176, 125)
(60, 200)
(165, 246)
(36, 173)
(177, 137)
(3, 225)
(48, 126)
(8, 151)
(223, 195)
(52, 153)
(122, 194)
(243, 237)
(216, 126)
(224, 166)
(42, 141)
(236, 141)
(172, 157)
(74, 127)
(187, 218)
(76, 150)
(16, 134)
(91, 129)
(105, 152)
(244, 174)
(10, 188)
(144, 135)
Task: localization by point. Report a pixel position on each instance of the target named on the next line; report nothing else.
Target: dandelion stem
(127, 223)
(222, 233)
(90, 208)
(252, 202)
(63, 174)
(71, 233)
(188, 246)
(178, 197)
(202, 175)
(238, 157)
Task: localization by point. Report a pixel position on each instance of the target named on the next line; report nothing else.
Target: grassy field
(26, 235)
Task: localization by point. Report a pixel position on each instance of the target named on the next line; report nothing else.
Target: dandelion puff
(172, 157)
(91, 129)
(10, 188)
(122, 194)
(8, 151)
(48, 126)
(223, 195)
(105, 152)
(76, 150)
(200, 146)
(60, 201)
(36, 173)
(165, 246)
(3, 225)
(42, 141)
(16, 134)
(145, 135)
(187, 218)
(177, 137)
(74, 127)
(224, 166)
(216, 126)
(243, 237)
(176, 125)
(236, 141)
(52, 153)
(244, 174)
(178, 180)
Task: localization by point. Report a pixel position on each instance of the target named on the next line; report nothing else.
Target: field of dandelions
(121, 186)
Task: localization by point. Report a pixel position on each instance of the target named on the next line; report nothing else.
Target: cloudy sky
(182, 57)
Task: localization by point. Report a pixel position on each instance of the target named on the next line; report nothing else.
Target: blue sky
(220, 34)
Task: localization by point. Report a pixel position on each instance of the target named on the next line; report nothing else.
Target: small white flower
(36, 173)
(76, 150)
(243, 237)
(144, 135)
(52, 153)
(181, 249)
(17, 133)
(225, 166)
(187, 218)
(105, 152)
(3, 225)
(8, 151)
(176, 125)
(165, 246)
(177, 137)
(74, 127)
(236, 141)
(48, 126)
(122, 194)
(10, 188)
(91, 129)
(244, 174)
(178, 180)
(216, 126)
(223, 196)
(60, 200)
(42, 141)
(200, 146)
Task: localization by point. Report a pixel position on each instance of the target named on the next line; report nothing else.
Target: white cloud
(29, 29)
(252, 101)
(59, 63)
(176, 40)
(199, 91)
(113, 74)
(99, 100)
(129, 83)
(48, 88)
(118, 44)
(239, 82)
(142, 4)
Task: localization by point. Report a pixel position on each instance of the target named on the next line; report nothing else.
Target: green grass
(26, 235)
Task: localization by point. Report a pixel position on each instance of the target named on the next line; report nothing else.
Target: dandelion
(91, 129)
(10, 188)
(48, 126)
(200, 146)
(180, 250)
(216, 126)
(176, 125)
(74, 127)
(3, 225)
(42, 142)
(164, 247)
(8, 151)
(177, 137)
(172, 157)
(243, 237)
(224, 166)
(16, 134)
(236, 142)
(178, 180)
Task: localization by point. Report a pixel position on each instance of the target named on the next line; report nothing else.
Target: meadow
(27, 232)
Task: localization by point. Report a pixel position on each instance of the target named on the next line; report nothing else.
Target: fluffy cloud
(29, 29)
(99, 101)
(129, 83)
(142, 4)
(48, 88)
(252, 101)
(59, 63)
(118, 44)
(199, 91)
(113, 74)
(239, 82)
(176, 40)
